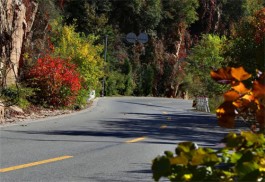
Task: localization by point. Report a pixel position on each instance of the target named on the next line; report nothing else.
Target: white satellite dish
(131, 37)
(142, 38)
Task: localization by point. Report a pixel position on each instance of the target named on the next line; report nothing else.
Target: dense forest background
(62, 51)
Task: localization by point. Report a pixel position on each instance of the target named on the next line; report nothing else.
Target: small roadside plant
(81, 99)
(17, 95)
(56, 80)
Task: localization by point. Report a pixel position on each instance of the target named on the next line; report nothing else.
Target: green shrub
(147, 80)
(115, 84)
(129, 85)
(242, 159)
(81, 99)
(17, 95)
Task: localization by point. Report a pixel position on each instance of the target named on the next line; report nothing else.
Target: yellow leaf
(222, 75)
(262, 165)
(244, 101)
(198, 157)
(179, 160)
(220, 110)
(187, 177)
(249, 97)
(262, 161)
(231, 95)
(240, 88)
(239, 103)
(240, 74)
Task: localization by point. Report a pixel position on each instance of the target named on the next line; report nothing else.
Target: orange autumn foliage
(249, 103)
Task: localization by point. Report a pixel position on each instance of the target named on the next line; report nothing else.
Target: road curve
(114, 141)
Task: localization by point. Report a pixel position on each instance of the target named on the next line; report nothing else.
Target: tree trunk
(18, 33)
(179, 48)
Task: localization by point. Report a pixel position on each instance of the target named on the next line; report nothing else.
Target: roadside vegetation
(197, 47)
(242, 156)
(186, 39)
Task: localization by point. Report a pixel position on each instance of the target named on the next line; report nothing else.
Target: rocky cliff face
(16, 19)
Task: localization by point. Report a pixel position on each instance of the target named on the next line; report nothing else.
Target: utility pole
(105, 60)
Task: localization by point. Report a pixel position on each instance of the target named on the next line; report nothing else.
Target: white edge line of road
(28, 121)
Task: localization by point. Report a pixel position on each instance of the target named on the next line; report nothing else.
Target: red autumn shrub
(57, 81)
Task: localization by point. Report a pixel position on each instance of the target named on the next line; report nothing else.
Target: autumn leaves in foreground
(242, 157)
(244, 98)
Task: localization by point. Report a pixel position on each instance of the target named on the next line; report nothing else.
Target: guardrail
(201, 104)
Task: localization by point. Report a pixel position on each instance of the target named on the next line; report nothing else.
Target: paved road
(115, 140)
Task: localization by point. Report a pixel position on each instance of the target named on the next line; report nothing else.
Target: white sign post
(202, 104)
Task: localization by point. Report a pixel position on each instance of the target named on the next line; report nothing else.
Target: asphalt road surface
(115, 140)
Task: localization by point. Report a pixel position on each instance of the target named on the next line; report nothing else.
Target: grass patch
(215, 102)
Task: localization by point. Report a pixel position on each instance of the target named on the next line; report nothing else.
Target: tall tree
(208, 54)
(247, 43)
(137, 15)
(90, 16)
(178, 15)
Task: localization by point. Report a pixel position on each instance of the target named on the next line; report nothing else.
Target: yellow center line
(34, 164)
(135, 140)
(168, 118)
(163, 126)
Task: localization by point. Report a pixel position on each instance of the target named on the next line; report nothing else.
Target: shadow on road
(144, 104)
(179, 126)
(192, 126)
